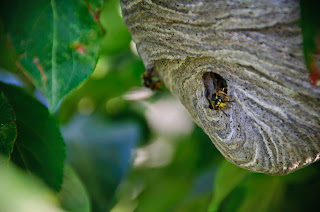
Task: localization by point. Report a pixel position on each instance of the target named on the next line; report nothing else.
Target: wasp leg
(223, 93)
(226, 98)
(224, 112)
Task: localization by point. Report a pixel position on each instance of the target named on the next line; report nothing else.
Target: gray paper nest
(273, 124)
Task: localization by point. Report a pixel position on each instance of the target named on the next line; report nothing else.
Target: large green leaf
(39, 146)
(8, 127)
(57, 41)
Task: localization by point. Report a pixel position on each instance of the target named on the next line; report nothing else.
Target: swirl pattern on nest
(273, 125)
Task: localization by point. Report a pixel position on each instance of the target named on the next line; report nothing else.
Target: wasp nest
(238, 68)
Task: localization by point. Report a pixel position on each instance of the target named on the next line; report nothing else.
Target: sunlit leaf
(39, 146)
(118, 37)
(21, 192)
(8, 127)
(57, 42)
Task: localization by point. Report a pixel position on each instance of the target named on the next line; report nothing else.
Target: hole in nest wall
(213, 83)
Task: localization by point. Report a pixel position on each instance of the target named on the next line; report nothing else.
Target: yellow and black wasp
(216, 92)
(219, 100)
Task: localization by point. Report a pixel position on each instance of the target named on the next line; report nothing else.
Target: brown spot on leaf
(79, 47)
(24, 71)
(40, 68)
(95, 15)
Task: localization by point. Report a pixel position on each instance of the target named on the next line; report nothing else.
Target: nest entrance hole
(213, 83)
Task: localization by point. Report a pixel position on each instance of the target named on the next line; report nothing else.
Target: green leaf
(228, 177)
(8, 127)
(199, 197)
(73, 195)
(7, 55)
(263, 193)
(39, 146)
(57, 42)
(21, 192)
(118, 37)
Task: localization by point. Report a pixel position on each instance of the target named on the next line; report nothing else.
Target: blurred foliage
(8, 56)
(185, 184)
(100, 151)
(229, 176)
(21, 192)
(310, 25)
(73, 195)
(117, 159)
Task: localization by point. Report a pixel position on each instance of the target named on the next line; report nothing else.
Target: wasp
(219, 100)
(150, 79)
